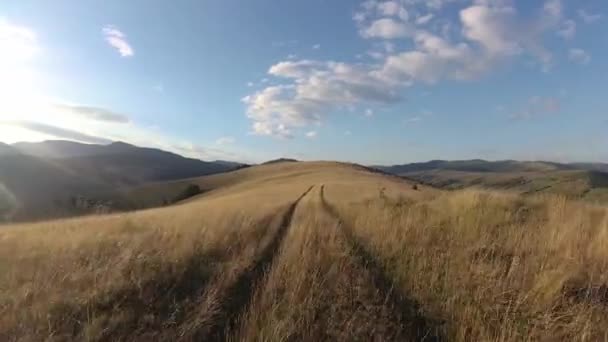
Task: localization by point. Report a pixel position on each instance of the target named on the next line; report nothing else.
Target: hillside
(312, 252)
(61, 178)
(579, 180)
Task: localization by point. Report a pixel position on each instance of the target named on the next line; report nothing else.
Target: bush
(190, 191)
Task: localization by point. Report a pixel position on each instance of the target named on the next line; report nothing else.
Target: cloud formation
(57, 132)
(94, 113)
(118, 40)
(485, 35)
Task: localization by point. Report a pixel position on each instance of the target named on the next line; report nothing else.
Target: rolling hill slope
(312, 251)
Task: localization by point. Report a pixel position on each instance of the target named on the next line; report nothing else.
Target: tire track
(237, 297)
(406, 310)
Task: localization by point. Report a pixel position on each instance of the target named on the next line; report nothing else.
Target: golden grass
(321, 290)
(495, 267)
(370, 259)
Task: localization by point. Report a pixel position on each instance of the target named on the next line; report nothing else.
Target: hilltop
(312, 251)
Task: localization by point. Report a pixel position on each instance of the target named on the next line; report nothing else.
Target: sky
(373, 82)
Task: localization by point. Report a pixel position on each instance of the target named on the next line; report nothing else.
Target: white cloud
(292, 56)
(316, 46)
(567, 29)
(392, 9)
(93, 113)
(311, 134)
(118, 40)
(348, 133)
(386, 28)
(316, 89)
(579, 56)
(369, 112)
(424, 19)
(56, 131)
(250, 84)
(270, 129)
(491, 27)
(589, 18)
(492, 32)
(225, 141)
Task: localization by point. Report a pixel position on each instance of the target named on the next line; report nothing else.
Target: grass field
(313, 251)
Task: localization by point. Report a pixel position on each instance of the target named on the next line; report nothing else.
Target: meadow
(311, 252)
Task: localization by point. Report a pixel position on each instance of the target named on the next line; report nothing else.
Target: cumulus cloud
(94, 113)
(118, 40)
(491, 27)
(579, 56)
(386, 28)
(316, 88)
(57, 132)
(405, 53)
(392, 9)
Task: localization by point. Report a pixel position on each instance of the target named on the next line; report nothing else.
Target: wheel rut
(405, 310)
(236, 297)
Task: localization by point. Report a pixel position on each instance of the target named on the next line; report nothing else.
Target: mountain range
(62, 178)
(587, 181)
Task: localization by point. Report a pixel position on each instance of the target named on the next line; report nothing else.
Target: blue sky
(364, 81)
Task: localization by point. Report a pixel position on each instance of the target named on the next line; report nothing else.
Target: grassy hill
(311, 252)
(579, 181)
(62, 178)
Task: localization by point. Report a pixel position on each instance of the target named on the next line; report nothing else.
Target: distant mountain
(7, 149)
(281, 160)
(477, 165)
(577, 180)
(46, 179)
(232, 164)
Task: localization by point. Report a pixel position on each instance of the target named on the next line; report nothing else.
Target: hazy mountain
(7, 149)
(578, 180)
(41, 180)
(235, 165)
(477, 165)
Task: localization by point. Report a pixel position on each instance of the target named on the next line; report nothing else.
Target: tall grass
(495, 267)
(132, 277)
(318, 290)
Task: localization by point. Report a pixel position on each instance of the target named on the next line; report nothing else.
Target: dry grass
(370, 259)
(495, 267)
